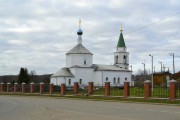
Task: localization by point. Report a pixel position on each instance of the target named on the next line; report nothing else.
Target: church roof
(79, 49)
(63, 72)
(108, 67)
(121, 42)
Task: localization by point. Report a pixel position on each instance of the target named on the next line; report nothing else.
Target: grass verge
(102, 98)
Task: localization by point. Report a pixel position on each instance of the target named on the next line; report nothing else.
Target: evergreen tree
(23, 76)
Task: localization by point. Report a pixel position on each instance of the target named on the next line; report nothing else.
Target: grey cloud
(47, 30)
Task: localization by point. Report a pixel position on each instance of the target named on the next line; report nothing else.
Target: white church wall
(85, 74)
(78, 59)
(69, 81)
(110, 75)
(98, 78)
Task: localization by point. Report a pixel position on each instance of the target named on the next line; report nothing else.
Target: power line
(172, 40)
(153, 23)
(143, 27)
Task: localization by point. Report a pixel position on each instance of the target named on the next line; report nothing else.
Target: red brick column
(15, 87)
(1, 87)
(63, 88)
(76, 88)
(31, 87)
(90, 88)
(23, 87)
(8, 86)
(147, 89)
(51, 88)
(41, 87)
(126, 89)
(172, 89)
(107, 88)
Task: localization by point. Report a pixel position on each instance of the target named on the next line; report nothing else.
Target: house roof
(63, 72)
(108, 67)
(79, 49)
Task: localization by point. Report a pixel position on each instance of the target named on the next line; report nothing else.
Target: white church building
(80, 67)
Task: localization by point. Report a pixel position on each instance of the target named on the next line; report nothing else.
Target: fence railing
(138, 90)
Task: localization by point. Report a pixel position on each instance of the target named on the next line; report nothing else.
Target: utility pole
(144, 70)
(152, 70)
(161, 65)
(172, 54)
(164, 68)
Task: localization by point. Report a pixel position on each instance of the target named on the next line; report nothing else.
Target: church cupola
(79, 55)
(79, 32)
(121, 56)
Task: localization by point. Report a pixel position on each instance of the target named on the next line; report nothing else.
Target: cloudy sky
(37, 33)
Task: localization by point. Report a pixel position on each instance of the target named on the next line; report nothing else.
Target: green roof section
(121, 42)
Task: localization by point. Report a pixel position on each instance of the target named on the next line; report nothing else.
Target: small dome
(79, 32)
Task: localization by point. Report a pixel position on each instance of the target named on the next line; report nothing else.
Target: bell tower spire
(121, 44)
(121, 56)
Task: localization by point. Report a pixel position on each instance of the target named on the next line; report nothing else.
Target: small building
(161, 78)
(80, 68)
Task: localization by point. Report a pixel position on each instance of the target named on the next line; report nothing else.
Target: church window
(84, 62)
(69, 81)
(125, 59)
(116, 59)
(114, 81)
(106, 78)
(80, 81)
(125, 79)
(118, 80)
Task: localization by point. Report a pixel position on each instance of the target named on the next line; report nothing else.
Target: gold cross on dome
(79, 23)
(121, 28)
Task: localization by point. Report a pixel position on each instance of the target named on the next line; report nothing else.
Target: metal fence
(69, 90)
(178, 90)
(137, 90)
(159, 91)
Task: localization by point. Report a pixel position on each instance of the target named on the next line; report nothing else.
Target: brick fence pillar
(8, 86)
(172, 89)
(147, 89)
(41, 87)
(63, 88)
(90, 88)
(23, 87)
(31, 87)
(126, 89)
(107, 88)
(76, 88)
(1, 87)
(51, 88)
(15, 87)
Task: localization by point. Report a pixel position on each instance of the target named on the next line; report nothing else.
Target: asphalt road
(42, 108)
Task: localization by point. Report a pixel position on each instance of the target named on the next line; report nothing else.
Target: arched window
(84, 62)
(114, 80)
(125, 79)
(106, 78)
(125, 59)
(118, 80)
(69, 81)
(116, 59)
(80, 81)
